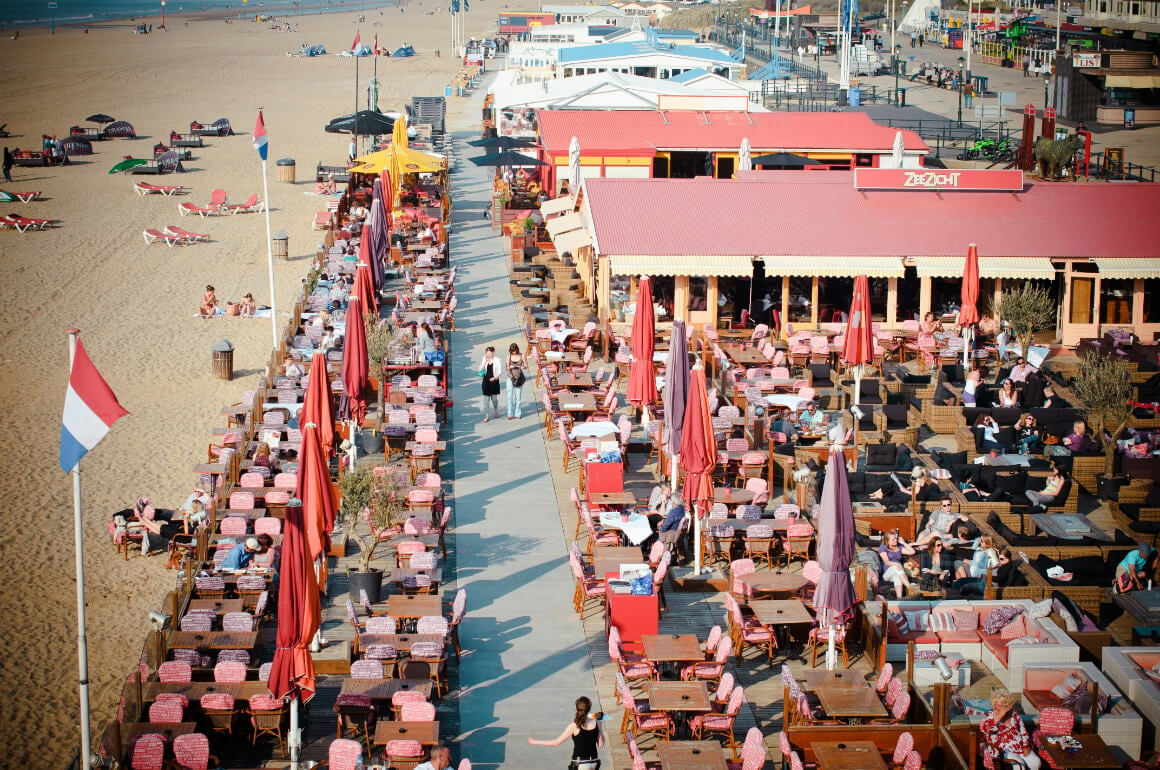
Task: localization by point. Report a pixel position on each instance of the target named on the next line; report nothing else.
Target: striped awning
(557, 205)
(571, 241)
(834, 267)
(1128, 267)
(564, 224)
(1132, 81)
(739, 266)
(1036, 268)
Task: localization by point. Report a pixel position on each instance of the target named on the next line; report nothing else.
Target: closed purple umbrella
(834, 595)
(676, 391)
(379, 237)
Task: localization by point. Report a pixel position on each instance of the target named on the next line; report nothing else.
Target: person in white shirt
(1021, 371)
(440, 759)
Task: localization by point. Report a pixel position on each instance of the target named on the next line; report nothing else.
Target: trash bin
(286, 170)
(842, 97)
(281, 241)
(901, 97)
(223, 360)
(855, 97)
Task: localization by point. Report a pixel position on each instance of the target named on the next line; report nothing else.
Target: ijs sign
(997, 180)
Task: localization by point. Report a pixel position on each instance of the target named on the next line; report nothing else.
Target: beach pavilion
(802, 237)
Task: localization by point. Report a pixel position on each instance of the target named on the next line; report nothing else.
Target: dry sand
(135, 306)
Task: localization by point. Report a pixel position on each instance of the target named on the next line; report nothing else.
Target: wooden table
(399, 574)
(852, 755)
(439, 446)
(779, 612)
(1094, 754)
(731, 496)
(748, 356)
(213, 640)
(578, 402)
(846, 702)
(574, 380)
(414, 606)
(674, 648)
(773, 583)
(383, 689)
(691, 755)
(609, 558)
(612, 499)
(1143, 605)
(220, 606)
(194, 690)
(680, 699)
(401, 642)
(816, 679)
(1070, 526)
(427, 733)
(169, 730)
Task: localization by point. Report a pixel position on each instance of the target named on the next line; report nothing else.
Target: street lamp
(162, 14)
(897, 66)
(960, 92)
(1046, 85)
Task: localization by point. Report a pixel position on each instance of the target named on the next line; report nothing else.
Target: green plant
(378, 500)
(1026, 309)
(384, 343)
(1103, 384)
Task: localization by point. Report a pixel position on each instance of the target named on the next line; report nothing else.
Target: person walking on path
(516, 377)
(587, 736)
(489, 374)
(9, 162)
(1026, 65)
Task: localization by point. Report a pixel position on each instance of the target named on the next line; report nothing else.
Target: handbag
(519, 379)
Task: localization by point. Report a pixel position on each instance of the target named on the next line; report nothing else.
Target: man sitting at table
(783, 423)
(242, 554)
(812, 419)
(669, 530)
(440, 759)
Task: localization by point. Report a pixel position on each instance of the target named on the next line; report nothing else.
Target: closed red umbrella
(364, 282)
(316, 491)
(642, 381)
(354, 364)
(698, 452)
(859, 347)
(317, 403)
(969, 299)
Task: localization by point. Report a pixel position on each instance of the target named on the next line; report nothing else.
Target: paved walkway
(528, 658)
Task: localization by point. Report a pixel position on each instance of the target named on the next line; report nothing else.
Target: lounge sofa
(1005, 657)
(1051, 684)
(1125, 666)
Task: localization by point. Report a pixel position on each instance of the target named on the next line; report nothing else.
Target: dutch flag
(90, 409)
(260, 136)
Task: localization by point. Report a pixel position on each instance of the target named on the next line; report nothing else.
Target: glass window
(1082, 290)
(1152, 300)
(801, 292)
(1116, 302)
(698, 292)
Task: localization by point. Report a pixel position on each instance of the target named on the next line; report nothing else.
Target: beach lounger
(181, 232)
(322, 220)
(185, 209)
(144, 188)
(23, 197)
(22, 224)
(253, 205)
(217, 199)
(153, 235)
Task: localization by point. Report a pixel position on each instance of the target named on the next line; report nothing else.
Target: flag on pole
(466, 6)
(357, 40)
(260, 136)
(90, 409)
(454, 7)
(377, 51)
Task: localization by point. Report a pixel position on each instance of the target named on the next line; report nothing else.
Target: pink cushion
(965, 620)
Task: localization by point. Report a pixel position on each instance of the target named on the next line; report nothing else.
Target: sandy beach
(135, 304)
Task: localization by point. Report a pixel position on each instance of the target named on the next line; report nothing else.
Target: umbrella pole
(295, 737)
(857, 398)
(966, 348)
(696, 542)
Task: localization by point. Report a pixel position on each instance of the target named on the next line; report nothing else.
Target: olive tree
(1026, 309)
(1104, 383)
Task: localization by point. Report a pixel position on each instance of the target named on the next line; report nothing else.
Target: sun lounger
(22, 224)
(23, 197)
(322, 220)
(217, 199)
(181, 232)
(153, 235)
(253, 205)
(185, 209)
(144, 188)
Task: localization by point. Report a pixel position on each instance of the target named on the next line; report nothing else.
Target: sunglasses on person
(938, 546)
(946, 504)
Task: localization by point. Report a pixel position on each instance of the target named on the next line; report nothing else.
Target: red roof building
(685, 143)
(1096, 242)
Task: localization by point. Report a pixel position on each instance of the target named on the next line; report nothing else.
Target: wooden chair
(354, 714)
(266, 715)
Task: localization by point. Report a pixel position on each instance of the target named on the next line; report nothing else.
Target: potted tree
(380, 501)
(1026, 309)
(385, 342)
(1104, 383)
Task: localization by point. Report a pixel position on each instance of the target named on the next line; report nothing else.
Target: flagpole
(358, 40)
(262, 152)
(82, 635)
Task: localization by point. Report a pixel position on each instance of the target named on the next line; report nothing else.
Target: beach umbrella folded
(698, 455)
(745, 156)
(859, 348)
(676, 391)
(834, 597)
(969, 298)
(354, 363)
(642, 382)
(317, 403)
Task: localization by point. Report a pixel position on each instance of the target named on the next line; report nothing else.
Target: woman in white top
(1008, 396)
(986, 557)
(969, 387)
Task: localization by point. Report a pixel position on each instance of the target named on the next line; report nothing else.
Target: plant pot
(1109, 486)
(370, 442)
(371, 582)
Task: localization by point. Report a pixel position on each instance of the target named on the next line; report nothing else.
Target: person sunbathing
(209, 302)
(248, 307)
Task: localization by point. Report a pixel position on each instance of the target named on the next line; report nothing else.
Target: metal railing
(1133, 172)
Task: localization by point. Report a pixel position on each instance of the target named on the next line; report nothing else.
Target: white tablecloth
(636, 529)
(594, 430)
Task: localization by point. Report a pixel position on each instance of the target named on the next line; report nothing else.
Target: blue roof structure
(601, 51)
(689, 75)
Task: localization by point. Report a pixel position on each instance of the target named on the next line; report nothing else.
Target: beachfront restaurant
(683, 140)
(660, 60)
(793, 242)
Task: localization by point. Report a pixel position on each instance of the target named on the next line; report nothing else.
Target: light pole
(52, 7)
(1046, 85)
(960, 92)
(162, 14)
(969, 34)
(897, 66)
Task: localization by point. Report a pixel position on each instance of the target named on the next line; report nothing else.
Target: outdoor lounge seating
(186, 209)
(1072, 687)
(153, 235)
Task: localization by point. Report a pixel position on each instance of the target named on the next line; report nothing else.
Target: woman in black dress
(587, 736)
(489, 374)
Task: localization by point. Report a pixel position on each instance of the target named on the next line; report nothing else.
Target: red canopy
(354, 363)
(642, 381)
(317, 403)
(859, 347)
(364, 281)
(969, 311)
(698, 445)
(316, 491)
(299, 610)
